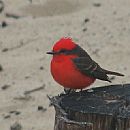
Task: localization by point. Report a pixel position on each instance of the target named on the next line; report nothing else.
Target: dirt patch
(54, 7)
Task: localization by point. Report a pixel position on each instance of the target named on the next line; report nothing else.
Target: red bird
(73, 68)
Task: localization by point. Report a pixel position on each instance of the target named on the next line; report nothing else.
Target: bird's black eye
(63, 50)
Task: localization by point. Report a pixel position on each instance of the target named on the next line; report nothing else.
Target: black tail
(113, 73)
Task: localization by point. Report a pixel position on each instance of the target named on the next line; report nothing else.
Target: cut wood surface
(104, 108)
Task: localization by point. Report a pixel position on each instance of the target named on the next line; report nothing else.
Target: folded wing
(90, 68)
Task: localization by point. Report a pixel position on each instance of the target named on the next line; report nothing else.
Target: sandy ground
(102, 27)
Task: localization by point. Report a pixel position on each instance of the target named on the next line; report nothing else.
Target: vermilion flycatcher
(73, 68)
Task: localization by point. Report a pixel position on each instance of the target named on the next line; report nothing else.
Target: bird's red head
(62, 46)
(64, 43)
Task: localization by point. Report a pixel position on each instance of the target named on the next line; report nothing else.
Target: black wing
(90, 68)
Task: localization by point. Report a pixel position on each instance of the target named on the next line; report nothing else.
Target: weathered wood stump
(105, 108)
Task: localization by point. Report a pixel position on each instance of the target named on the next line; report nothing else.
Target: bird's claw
(69, 91)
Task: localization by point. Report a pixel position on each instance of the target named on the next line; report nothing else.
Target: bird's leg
(80, 94)
(81, 90)
(69, 91)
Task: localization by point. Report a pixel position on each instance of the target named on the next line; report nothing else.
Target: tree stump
(104, 108)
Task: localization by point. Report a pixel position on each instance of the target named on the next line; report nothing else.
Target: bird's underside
(89, 67)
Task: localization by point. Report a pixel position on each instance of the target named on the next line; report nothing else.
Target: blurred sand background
(102, 27)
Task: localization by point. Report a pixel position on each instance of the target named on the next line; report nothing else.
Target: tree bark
(104, 108)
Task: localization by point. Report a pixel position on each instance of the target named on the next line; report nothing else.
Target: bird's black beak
(51, 53)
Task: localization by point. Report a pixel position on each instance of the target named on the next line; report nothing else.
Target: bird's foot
(61, 94)
(81, 90)
(69, 91)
